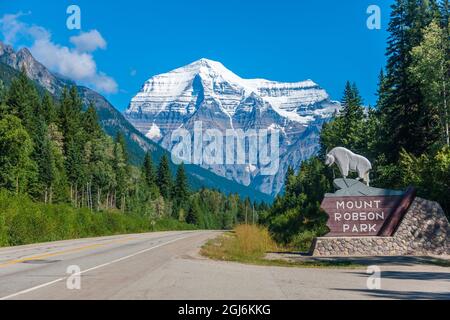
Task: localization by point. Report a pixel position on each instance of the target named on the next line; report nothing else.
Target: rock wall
(424, 230)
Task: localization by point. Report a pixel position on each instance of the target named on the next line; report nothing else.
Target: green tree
(164, 177)
(90, 122)
(3, 97)
(120, 139)
(99, 158)
(120, 168)
(290, 176)
(23, 100)
(348, 128)
(180, 192)
(430, 69)
(57, 186)
(297, 211)
(43, 156)
(70, 119)
(408, 124)
(148, 170)
(17, 169)
(47, 109)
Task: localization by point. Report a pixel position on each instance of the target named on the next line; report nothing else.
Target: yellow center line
(62, 252)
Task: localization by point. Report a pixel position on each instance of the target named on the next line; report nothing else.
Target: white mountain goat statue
(348, 162)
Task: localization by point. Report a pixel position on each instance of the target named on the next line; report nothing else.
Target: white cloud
(88, 41)
(75, 63)
(11, 26)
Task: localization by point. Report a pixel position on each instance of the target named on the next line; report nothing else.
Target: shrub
(303, 240)
(248, 243)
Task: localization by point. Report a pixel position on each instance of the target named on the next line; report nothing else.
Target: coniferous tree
(70, 118)
(148, 170)
(3, 97)
(47, 109)
(407, 123)
(91, 125)
(180, 192)
(120, 138)
(23, 100)
(349, 128)
(43, 156)
(430, 69)
(164, 181)
(290, 174)
(58, 189)
(120, 168)
(17, 169)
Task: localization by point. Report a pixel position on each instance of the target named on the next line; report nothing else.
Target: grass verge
(250, 244)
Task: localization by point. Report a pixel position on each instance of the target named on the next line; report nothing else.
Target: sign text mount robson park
(359, 216)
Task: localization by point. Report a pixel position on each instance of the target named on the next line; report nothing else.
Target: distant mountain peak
(207, 91)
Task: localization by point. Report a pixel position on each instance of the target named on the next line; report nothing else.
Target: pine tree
(91, 126)
(43, 157)
(120, 168)
(120, 138)
(164, 181)
(407, 123)
(47, 109)
(352, 115)
(430, 69)
(70, 119)
(3, 96)
(23, 100)
(348, 129)
(58, 188)
(290, 175)
(148, 171)
(100, 161)
(181, 187)
(17, 169)
(194, 212)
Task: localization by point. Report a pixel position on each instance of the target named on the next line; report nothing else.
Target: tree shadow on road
(412, 275)
(402, 295)
(389, 260)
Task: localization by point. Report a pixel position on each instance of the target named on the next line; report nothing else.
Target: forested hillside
(111, 120)
(53, 152)
(406, 135)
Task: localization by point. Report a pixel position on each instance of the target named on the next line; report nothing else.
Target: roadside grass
(250, 244)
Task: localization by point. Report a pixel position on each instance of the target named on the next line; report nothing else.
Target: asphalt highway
(167, 265)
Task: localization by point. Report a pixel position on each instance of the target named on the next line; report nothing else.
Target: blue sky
(285, 40)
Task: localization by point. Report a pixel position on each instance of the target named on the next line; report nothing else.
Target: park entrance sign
(367, 221)
(357, 210)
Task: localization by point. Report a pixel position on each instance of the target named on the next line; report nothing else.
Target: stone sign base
(424, 230)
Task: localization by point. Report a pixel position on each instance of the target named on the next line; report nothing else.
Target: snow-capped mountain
(206, 91)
